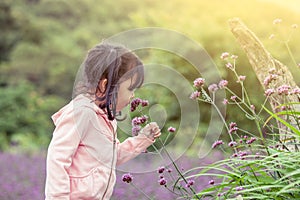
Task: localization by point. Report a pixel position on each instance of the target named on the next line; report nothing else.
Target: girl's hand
(151, 130)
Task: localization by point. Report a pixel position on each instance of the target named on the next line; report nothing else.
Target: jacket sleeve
(132, 147)
(65, 140)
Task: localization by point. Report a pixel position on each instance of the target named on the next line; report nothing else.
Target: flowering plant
(258, 167)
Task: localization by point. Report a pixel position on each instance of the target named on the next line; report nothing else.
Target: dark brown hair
(116, 64)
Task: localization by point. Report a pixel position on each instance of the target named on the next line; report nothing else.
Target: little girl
(84, 149)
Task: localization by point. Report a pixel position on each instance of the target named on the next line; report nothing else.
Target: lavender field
(22, 177)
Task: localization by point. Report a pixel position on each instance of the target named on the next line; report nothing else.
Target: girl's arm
(133, 146)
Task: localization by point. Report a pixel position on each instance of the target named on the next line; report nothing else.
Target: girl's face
(125, 94)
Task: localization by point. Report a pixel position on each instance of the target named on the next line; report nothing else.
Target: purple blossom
(135, 130)
(252, 107)
(171, 129)
(127, 178)
(213, 87)
(162, 181)
(199, 82)
(252, 139)
(232, 144)
(136, 102)
(222, 84)
(145, 103)
(139, 120)
(195, 95)
(217, 143)
(232, 127)
(239, 188)
(211, 182)
(190, 183)
(161, 170)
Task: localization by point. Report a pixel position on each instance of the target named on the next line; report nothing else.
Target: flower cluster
(217, 143)
(137, 122)
(135, 103)
(127, 178)
(199, 82)
(171, 129)
(280, 90)
(190, 182)
(232, 127)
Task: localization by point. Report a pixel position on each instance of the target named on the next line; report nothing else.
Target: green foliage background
(43, 42)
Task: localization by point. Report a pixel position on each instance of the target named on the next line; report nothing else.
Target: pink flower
(225, 102)
(171, 129)
(269, 92)
(195, 95)
(242, 78)
(211, 182)
(232, 127)
(229, 65)
(253, 139)
(199, 82)
(213, 87)
(252, 107)
(233, 98)
(224, 55)
(283, 89)
(223, 84)
(232, 144)
(217, 143)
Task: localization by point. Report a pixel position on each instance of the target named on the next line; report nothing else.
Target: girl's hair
(114, 63)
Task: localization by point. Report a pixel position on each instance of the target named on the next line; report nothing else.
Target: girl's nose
(132, 96)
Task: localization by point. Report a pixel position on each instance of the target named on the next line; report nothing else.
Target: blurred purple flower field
(22, 177)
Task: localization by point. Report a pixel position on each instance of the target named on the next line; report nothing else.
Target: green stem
(178, 170)
(140, 190)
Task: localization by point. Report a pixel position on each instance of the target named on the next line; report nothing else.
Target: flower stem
(178, 170)
(140, 190)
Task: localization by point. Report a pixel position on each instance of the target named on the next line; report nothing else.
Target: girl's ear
(102, 85)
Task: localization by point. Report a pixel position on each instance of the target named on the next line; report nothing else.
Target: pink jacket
(82, 156)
